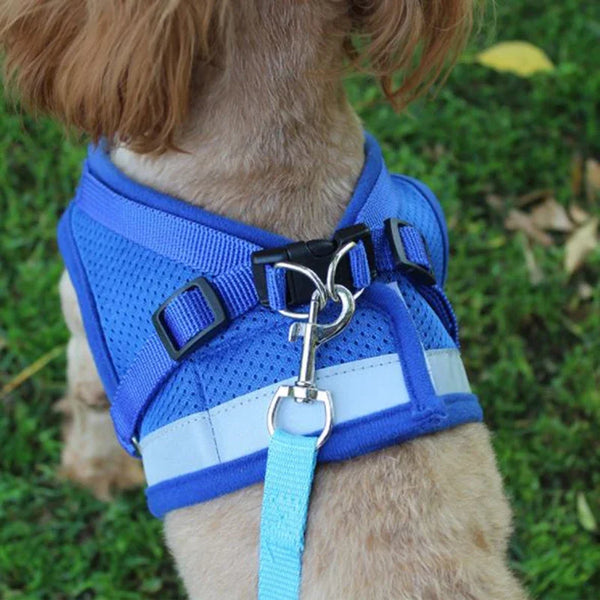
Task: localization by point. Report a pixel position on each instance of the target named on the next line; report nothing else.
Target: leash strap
(291, 464)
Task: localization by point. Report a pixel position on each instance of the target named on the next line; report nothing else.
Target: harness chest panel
(199, 419)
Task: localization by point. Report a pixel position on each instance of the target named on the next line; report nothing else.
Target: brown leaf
(585, 291)
(577, 214)
(534, 196)
(592, 178)
(517, 220)
(494, 201)
(551, 216)
(536, 275)
(581, 243)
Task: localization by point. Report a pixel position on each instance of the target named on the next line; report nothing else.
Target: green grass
(533, 351)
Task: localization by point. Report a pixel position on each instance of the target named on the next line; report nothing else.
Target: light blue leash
(288, 481)
(292, 458)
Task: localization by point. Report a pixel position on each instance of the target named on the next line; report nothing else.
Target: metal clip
(305, 390)
(313, 335)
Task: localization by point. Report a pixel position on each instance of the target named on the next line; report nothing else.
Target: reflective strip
(447, 372)
(239, 427)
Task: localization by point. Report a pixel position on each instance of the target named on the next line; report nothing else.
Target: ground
(530, 331)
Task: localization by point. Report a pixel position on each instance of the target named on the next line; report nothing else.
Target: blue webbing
(291, 464)
(359, 267)
(414, 246)
(148, 372)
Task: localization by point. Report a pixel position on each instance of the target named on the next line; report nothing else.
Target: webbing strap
(291, 464)
(414, 246)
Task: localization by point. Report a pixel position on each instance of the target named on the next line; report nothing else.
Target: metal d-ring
(314, 334)
(316, 281)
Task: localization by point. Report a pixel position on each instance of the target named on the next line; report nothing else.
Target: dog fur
(237, 106)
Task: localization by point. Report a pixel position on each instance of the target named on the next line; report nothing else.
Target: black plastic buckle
(216, 306)
(420, 273)
(316, 255)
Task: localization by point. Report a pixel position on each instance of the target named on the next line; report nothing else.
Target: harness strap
(291, 464)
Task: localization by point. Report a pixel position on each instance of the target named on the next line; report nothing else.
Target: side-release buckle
(317, 256)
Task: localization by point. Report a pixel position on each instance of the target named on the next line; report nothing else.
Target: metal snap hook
(314, 334)
(327, 331)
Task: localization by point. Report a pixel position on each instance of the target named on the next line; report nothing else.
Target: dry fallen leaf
(585, 291)
(521, 58)
(551, 216)
(534, 196)
(536, 275)
(592, 178)
(517, 220)
(581, 243)
(577, 214)
(494, 201)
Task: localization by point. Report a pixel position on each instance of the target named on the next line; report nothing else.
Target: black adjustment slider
(218, 323)
(402, 260)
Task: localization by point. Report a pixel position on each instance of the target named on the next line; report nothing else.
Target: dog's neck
(271, 139)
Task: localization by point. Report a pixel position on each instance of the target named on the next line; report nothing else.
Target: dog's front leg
(91, 454)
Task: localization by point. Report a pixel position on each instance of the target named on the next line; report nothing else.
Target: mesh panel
(259, 354)
(431, 330)
(129, 283)
(181, 396)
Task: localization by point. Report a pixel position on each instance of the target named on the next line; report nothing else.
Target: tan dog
(238, 107)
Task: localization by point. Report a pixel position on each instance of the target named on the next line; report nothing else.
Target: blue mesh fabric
(181, 396)
(263, 357)
(129, 283)
(255, 353)
(432, 332)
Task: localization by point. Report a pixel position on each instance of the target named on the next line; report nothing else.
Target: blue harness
(180, 308)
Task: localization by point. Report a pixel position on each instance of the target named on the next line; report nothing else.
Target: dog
(238, 107)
